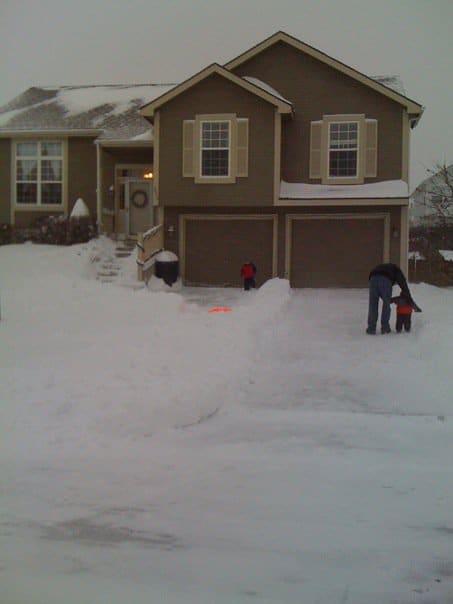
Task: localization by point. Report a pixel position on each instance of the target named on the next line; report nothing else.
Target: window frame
(219, 148)
(331, 149)
(231, 119)
(39, 181)
(327, 120)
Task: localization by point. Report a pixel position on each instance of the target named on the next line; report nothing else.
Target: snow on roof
(447, 255)
(384, 189)
(110, 108)
(265, 87)
(391, 81)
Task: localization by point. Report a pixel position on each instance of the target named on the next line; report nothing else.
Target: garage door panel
(215, 250)
(336, 252)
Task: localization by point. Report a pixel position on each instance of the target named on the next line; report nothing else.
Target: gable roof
(253, 86)
(110, 111)
(379, 84)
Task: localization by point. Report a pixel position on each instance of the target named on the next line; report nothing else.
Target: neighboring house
(283, 156)
(432, 201)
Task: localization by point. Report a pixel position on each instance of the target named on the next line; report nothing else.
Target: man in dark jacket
(381, 280)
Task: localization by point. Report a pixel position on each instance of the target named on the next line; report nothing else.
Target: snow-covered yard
(151, 451)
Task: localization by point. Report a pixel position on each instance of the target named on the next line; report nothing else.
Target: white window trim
(325, 149)
(356, 149)
(214, 121)
(231, 118)
(39, 206)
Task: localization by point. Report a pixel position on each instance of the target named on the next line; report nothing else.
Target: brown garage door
(335, 252)
(216, 248)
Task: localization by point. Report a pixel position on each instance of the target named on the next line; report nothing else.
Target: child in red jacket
(403, 313)
(248, 272)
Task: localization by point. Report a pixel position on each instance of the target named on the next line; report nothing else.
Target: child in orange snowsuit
(403, 313)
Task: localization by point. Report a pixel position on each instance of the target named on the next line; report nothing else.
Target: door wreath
(139, 199)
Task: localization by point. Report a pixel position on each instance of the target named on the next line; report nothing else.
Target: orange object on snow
(220, 309)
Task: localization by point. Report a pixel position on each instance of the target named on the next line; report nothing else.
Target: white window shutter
(371, 148)
(188, 128)
(315, 149)
(242, 168)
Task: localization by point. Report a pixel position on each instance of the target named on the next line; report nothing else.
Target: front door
(139, 205)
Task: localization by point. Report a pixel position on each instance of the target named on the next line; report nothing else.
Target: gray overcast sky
(58, 42)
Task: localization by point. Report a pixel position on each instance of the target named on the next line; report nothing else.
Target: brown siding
(25, 218)
(5, 180)
(315, 89)
(217, 95)
(82, 173)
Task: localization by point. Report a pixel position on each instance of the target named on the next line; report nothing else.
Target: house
(284, 156)
(432, 201)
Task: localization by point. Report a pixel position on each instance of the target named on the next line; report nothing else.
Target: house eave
(412, 106)
(147, 111)
(124, 143)
(48, 132)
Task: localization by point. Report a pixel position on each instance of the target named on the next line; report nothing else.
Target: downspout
(99, 187)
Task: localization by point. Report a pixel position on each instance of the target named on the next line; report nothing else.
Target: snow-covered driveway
(153, 452)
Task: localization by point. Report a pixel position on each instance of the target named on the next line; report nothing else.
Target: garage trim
(385, 216)
(183, 218)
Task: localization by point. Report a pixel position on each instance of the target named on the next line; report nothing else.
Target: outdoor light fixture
(148, 175)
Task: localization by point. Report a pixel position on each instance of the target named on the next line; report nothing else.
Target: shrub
(58, 230)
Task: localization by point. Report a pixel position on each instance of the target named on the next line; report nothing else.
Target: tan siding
(213, 96)
(188, 148)
(371, 148)
(242, 147)
(316, 89)
(5, 180)
(315, 149)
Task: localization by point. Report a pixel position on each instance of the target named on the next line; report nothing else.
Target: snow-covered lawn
(151, 451)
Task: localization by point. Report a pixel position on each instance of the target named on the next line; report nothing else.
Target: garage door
(215, 248)
(335, 252)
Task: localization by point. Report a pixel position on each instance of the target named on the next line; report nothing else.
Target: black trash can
(166, 267)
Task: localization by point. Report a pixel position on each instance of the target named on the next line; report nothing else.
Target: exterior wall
(113, 156)
(215, 95)
(82, 173)
(25, 219)
(5, 180)
(315, 89)
(172, 234)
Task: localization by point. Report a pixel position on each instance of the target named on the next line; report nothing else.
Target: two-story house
(283, 156)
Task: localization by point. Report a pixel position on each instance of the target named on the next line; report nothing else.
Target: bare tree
(436, 194)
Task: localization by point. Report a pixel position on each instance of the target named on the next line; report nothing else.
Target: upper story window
(343, 149)
(215, 148)
(39, 173)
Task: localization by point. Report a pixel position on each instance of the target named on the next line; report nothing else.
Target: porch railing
(149, 244)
